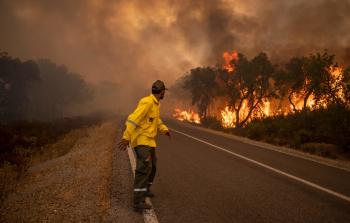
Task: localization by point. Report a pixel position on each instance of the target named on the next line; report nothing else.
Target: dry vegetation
(324, 132)
(27, 143)
(70, 188)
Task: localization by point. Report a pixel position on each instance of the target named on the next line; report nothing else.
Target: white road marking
(263, 145)
(336, 194)
(149, 216)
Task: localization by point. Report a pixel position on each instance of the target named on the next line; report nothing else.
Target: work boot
(149, 194)
(142, 206)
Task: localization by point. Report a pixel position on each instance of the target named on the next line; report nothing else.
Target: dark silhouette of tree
(15, 78)
(202, 86)
(38, 90)
(319, 78)
(58, 89)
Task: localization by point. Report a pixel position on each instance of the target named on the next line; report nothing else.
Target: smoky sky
(135, 42)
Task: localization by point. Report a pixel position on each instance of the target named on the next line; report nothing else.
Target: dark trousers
(146, 166)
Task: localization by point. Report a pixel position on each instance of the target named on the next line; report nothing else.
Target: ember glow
(184, 115)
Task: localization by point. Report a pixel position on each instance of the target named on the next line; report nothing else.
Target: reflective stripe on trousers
(140, 189)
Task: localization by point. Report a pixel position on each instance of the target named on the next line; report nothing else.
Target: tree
(313, 78)
(319, 78)
(202, 86)
(58, 89)
(292, 80)
(15, 78)
(249, 85)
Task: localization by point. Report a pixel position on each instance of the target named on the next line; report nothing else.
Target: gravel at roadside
(91, 183)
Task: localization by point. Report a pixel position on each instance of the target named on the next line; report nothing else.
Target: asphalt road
(198, 183)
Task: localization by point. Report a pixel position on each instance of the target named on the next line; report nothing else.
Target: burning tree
(293, 81)
(249, 86)
(313, 82)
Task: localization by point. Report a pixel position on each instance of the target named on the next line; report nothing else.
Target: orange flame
(228, 57)
(337, 76)
(266, 109)
(229, 119)
(184, 115)
(336, 71)
(298, 101)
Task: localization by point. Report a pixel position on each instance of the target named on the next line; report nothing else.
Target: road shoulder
(122, 190)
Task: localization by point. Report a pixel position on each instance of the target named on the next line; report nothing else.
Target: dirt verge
(72, 188)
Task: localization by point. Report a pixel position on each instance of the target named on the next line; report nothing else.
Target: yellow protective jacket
(143, 123)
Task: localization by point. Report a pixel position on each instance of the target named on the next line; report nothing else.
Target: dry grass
(11, 173)
(321, 149)
(60, 148)
(74, 187)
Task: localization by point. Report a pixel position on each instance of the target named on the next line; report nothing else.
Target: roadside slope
(72, 188)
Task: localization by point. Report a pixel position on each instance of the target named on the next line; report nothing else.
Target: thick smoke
(132, 43)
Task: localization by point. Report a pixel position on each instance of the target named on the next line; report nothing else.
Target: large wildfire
(228, 116)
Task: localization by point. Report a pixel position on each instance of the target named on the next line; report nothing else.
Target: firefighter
(140, 134)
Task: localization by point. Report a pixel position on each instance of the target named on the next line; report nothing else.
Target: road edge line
(331, 192)
(149, 216)
(279, 149)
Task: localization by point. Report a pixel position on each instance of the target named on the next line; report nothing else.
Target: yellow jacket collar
(154, 99)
